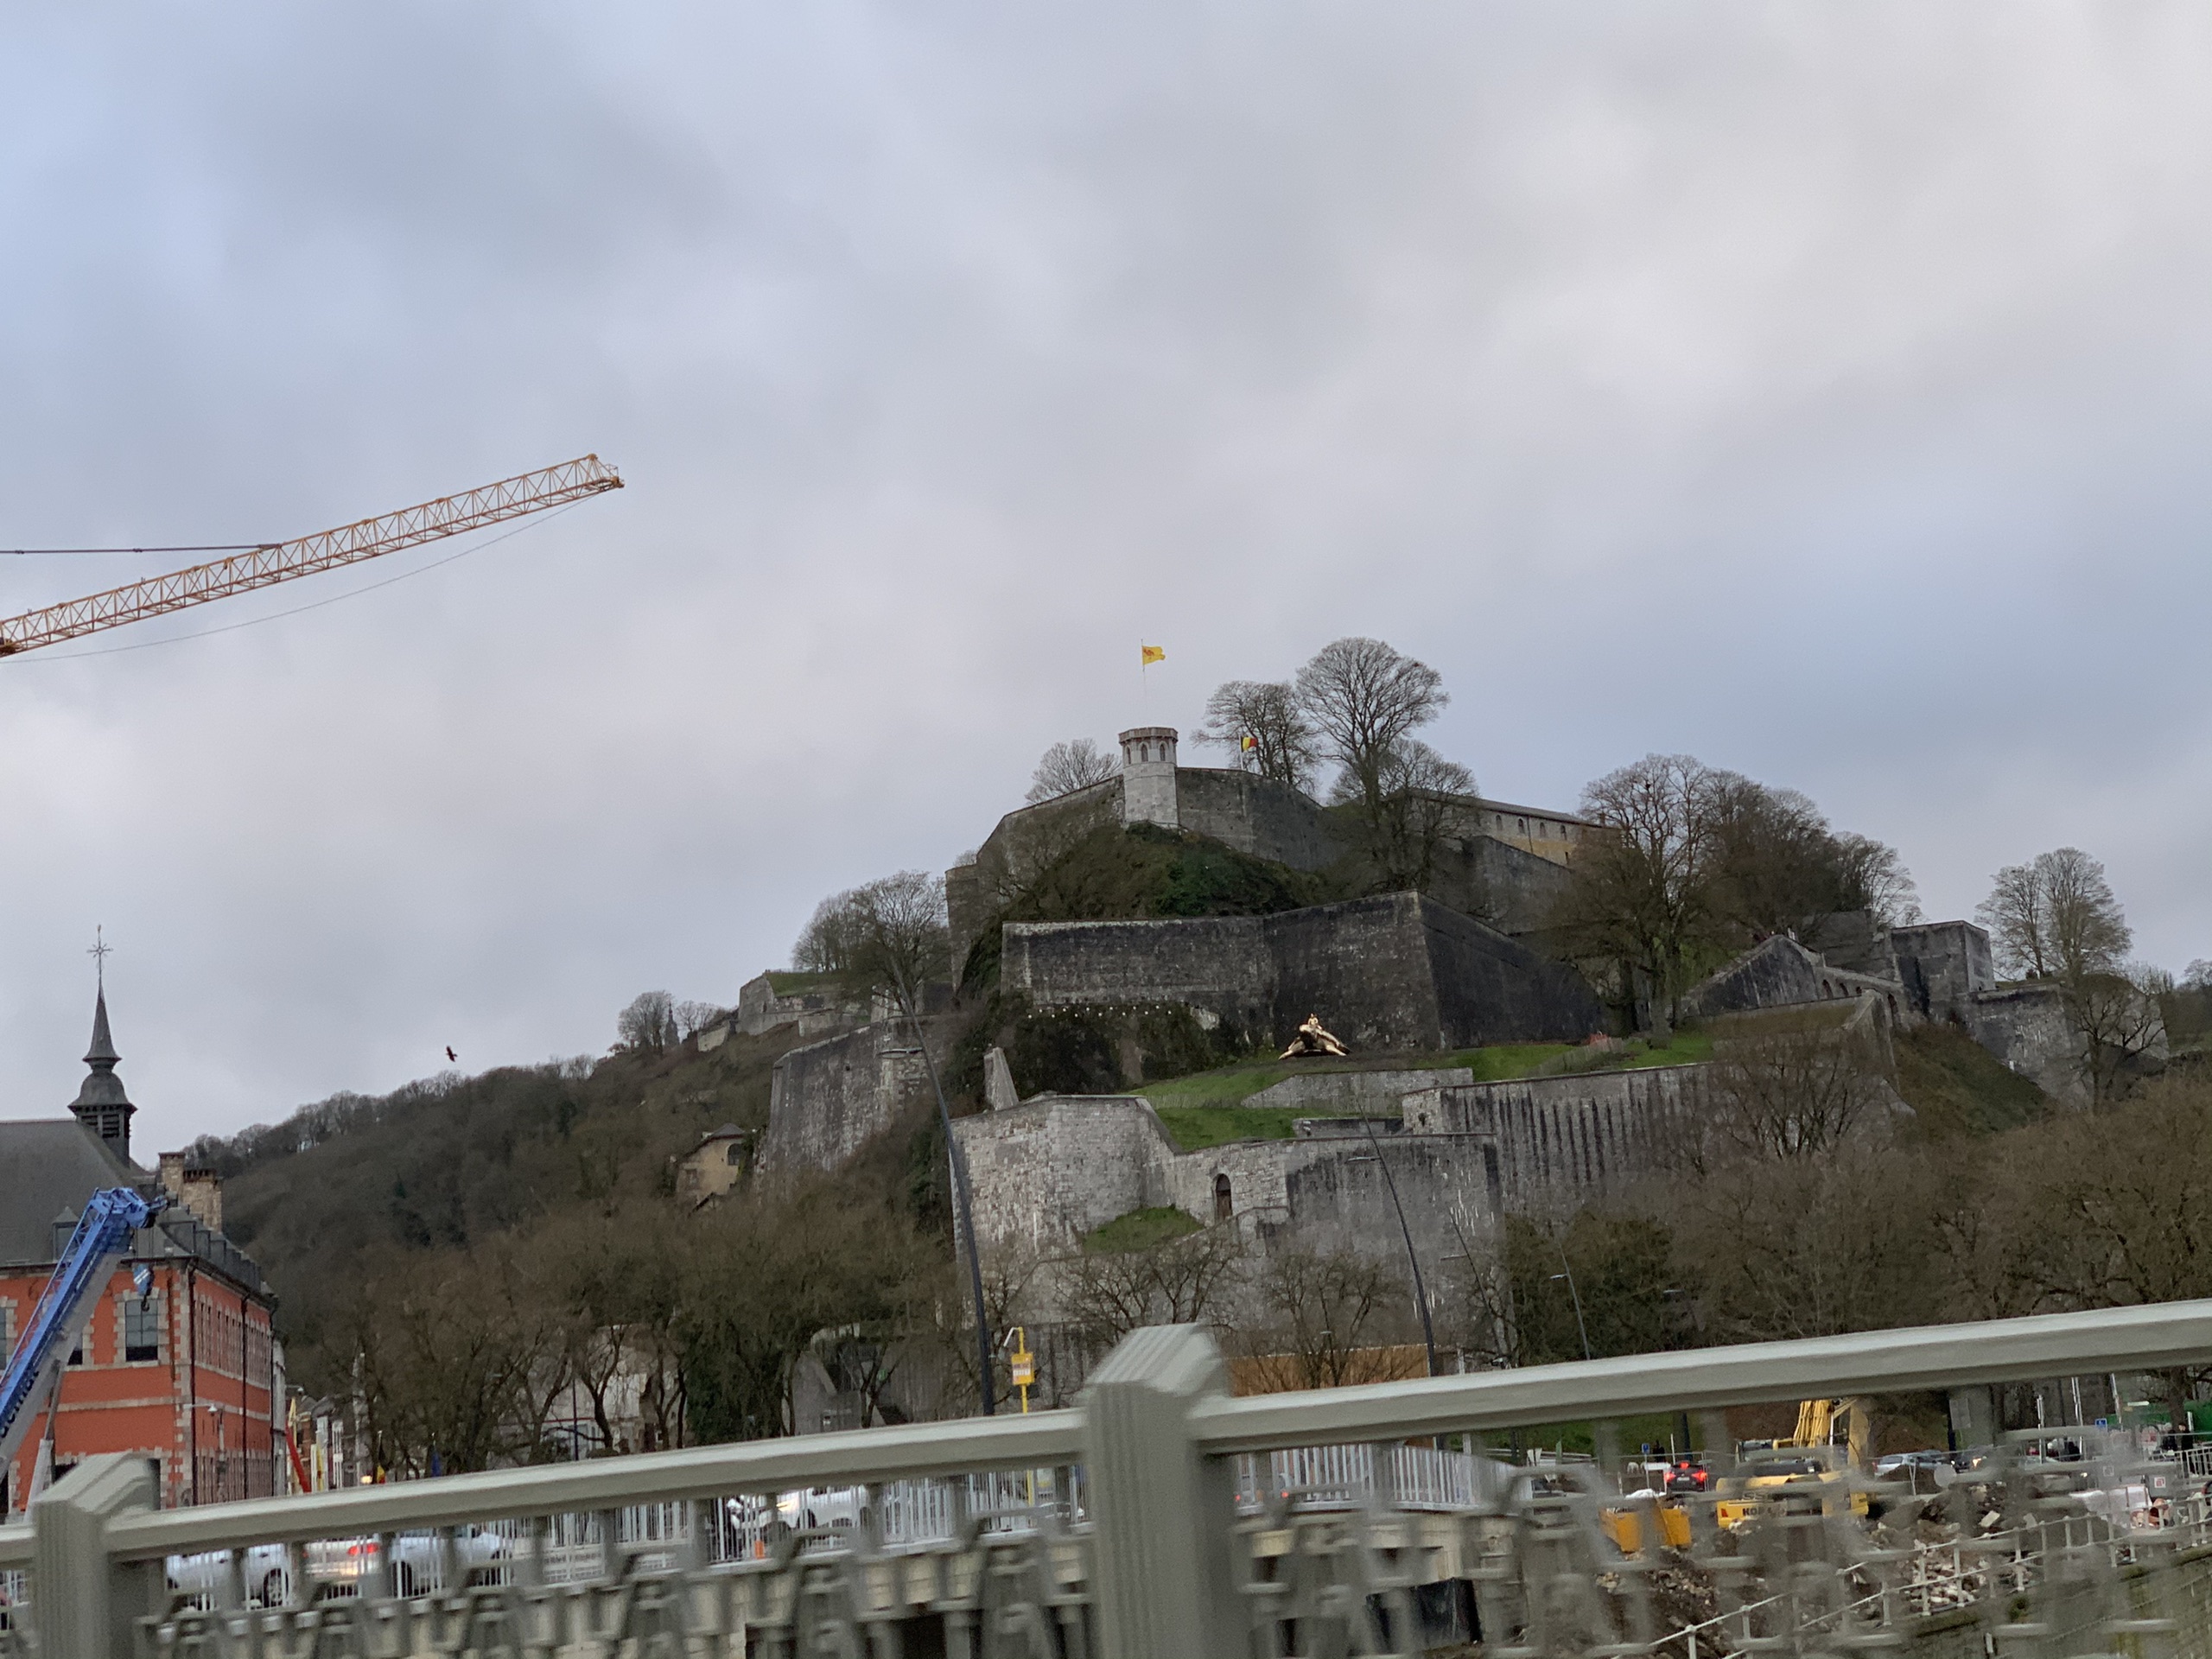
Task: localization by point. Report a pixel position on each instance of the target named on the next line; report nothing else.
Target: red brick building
(188, 1375)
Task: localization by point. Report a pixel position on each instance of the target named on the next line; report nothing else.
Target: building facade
(188, 1375)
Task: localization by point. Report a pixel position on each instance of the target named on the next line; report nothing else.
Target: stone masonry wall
(1942, 964)
(1561, 1141)
(2027, 1027)
(1490, 989)
(1782, 973)
(1256, 815)
(1048, 1173)
(1218, 963)
(1394, 972)
(1362, 966)
(828, 1099)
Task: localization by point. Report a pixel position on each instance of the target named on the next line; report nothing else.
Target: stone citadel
(1414, 982)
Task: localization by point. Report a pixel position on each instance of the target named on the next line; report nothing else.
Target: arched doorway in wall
(1225, 1204)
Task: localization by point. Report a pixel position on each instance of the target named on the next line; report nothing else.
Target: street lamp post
(1569, 1276)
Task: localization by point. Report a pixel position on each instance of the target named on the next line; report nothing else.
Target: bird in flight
(450, 1056)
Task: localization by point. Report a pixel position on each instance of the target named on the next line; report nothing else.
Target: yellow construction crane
(266, 566)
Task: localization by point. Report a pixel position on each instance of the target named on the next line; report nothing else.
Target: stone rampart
(1216, 963)
(1558, 1142)
(2028, 1028)
(1942, 964)
(826, 1100)
(1054, 1169)
(1256, 815)
(1396, 972)
(1782, 973)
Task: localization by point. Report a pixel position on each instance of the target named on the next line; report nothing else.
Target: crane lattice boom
(264, 567)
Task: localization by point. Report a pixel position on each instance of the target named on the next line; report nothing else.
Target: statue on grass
(1312, 1041)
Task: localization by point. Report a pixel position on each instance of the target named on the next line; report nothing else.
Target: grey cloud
(1823, 393)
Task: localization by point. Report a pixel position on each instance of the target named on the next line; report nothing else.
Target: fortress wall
(1219, 963)
(1943, 963)
(827, 1099)
(1397, 972)
(2027, 1027)
(1255, 815)
(1360, 965)
(1024, 841)
(1489, 989)
(1343, 1200)
(1563, 1140)
(1047, 1172)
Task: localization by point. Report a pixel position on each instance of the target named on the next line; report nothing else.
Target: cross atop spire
(103, 1105)
(99, 953)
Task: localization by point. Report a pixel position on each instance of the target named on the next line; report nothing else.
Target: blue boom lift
(102, 1237)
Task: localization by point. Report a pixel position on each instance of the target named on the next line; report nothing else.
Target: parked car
(338, 1566)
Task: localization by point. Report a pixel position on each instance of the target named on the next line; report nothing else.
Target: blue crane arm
(102, 1234)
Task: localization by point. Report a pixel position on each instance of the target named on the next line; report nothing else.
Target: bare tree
(1067, 767)
(892, 933)
(1322, 1307)
(1793, 1092)
(1645, 889)
(1426, 801)
(2197, 976)
(830, 941)
(1265, 728)
(1180, 1281)
(2054, 917)
(648, 1025)
(1872, 876)
(902, 941)
(1363, 698)
(2119, 1022)
(692, 1018)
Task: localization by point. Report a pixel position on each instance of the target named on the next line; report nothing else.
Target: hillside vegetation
(452, 1162)
(1115, 874)
(1955, 1086)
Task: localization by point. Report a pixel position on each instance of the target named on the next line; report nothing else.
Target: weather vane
(99, 953)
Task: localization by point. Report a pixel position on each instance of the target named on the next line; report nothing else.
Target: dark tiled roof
(47, 1165)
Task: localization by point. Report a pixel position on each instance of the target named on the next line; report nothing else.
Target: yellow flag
(1152, 654)
(1247, 743)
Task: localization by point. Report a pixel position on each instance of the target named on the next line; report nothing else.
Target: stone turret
(101, 1105)
(1148, 776)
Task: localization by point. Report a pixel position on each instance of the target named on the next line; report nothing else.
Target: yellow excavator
(1774, 1471)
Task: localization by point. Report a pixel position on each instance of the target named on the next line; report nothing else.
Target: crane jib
(264, 567)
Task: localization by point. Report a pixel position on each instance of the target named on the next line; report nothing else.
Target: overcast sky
(1824, 391)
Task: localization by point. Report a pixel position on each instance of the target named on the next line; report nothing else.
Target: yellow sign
(1152, 654)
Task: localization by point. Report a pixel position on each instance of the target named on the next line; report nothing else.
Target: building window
(1223, 1205)
(142, 1328)
(736, 1153)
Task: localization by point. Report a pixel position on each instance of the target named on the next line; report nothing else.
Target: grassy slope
(1141, 1230)
(1958, 1087)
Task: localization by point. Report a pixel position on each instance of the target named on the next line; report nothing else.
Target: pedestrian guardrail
(1161, 1519)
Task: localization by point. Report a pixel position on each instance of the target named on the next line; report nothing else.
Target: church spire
(102, 1105)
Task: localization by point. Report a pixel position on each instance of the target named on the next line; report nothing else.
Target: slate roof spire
(102, 1105)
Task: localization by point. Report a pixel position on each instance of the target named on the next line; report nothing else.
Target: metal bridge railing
(1161, 1519)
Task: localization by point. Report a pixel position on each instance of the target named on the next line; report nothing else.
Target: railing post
(82, 1603)
(1160, 1511)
